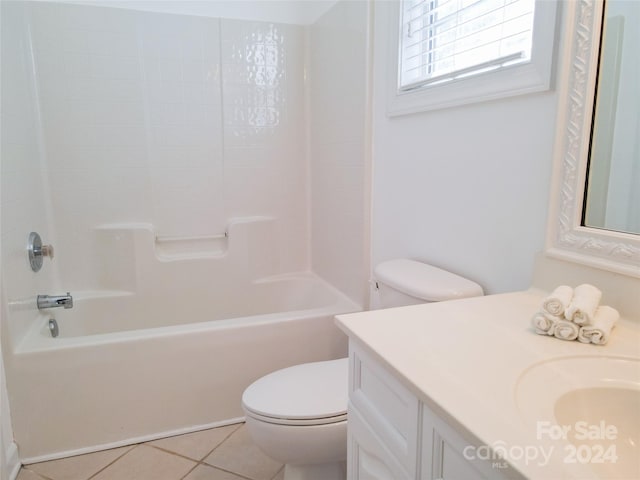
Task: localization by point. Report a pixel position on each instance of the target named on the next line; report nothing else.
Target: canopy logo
(583, 443)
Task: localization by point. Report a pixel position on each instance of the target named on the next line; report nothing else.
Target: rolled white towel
(565, 330)
(543, 323)
(598, 332)
(558, 301)
(584, 304)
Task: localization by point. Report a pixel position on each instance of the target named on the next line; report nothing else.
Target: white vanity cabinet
(395, 436)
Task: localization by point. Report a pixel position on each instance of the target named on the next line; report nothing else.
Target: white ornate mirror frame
(566, 237)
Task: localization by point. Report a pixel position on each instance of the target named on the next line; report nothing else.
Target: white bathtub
(128, 368)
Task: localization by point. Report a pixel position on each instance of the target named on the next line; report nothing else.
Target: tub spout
(52, 301)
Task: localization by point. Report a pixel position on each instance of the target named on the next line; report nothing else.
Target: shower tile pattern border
(223, 453)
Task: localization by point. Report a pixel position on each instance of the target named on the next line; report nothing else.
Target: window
(452, 52)
(447, 39)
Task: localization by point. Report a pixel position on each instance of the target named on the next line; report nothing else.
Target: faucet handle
(68, 302)
(37, 251)
(47, 251)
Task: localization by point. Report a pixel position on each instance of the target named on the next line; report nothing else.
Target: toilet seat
(298, 422)
(308, 394)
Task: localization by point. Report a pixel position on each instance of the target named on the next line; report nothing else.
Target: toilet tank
(408, 282)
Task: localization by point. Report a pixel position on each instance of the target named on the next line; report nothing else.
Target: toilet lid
(302, 392)
(425, 282)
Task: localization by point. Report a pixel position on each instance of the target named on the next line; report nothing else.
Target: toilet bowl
(298, 415)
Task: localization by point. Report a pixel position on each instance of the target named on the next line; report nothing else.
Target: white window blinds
(443, 40)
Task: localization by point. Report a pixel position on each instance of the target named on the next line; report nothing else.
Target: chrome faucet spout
(53, 301)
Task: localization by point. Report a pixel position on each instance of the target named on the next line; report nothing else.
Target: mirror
(613, 187)
(568, 237)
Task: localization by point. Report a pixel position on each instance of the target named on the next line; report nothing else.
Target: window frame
(519, 79)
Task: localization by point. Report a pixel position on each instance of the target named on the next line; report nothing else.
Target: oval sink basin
(589, 407)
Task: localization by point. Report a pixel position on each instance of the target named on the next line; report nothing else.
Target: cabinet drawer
(386, 405)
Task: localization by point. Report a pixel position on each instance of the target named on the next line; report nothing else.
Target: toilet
(298, 415)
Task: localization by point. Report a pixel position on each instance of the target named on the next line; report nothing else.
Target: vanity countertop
(465, 359)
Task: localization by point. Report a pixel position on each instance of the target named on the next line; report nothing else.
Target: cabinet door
(446, 455)
(447, 463)
(368, 458)
(390, 409)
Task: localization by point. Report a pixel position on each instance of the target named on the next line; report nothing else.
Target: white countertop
(465, 358)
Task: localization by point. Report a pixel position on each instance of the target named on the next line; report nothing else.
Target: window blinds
(447, 39)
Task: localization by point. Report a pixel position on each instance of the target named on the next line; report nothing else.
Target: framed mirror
(575, 232)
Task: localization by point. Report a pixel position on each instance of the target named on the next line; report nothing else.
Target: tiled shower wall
(24, 194)
(178, 121)
(339, 192)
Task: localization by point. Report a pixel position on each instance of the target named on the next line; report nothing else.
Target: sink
(588, 408)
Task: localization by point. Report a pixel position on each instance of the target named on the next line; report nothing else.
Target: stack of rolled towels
(575, 313)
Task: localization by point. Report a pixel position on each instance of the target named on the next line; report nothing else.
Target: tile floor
(224, 453)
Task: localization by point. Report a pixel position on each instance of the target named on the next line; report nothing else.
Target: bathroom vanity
(465, 389)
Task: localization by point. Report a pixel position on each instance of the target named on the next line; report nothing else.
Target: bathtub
(127, 368)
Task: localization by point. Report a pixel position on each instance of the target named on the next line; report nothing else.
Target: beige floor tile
(238, 454)
(79, 467)
(195, 445)
(205, 472)
(26, 474)
(147, 463)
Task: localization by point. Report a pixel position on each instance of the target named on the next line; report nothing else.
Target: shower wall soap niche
(133, 254)
(176, 247)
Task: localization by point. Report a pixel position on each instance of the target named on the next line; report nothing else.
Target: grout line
(202, 462)
(133, 447)
(223, 440)
(197, 460)
(239, 475)
(176, 454)
(227, 471)
(35, 473)
(189, 472)
(215, 467)
(278, 472)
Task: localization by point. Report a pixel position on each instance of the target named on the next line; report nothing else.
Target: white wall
(465, 188)
(339, 193)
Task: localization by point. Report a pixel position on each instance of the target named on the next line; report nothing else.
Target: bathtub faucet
(52, 301)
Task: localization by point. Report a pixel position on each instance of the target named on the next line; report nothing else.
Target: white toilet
(298, 415)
